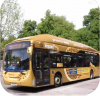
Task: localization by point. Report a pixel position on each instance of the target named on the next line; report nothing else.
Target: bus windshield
(16, 57)
(16, 60)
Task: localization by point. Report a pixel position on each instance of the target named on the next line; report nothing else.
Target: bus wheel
(91, 75)
(57, 80)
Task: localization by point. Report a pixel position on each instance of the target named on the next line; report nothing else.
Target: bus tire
(91, 74)
(57, 80)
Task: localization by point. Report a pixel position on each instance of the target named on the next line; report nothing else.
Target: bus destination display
(18, 45)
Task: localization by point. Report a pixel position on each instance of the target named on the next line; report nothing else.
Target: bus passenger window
(55, 58)
(81, 61)
(74, 62)
(88, 60)
(58, 59)
(91, 58)
(67, 61)
(96, 60)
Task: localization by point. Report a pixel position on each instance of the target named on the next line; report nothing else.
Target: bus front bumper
(17, 79)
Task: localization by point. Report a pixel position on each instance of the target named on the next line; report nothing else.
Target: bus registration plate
(13, 84)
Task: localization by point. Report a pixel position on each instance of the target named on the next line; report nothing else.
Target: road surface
(82, 87)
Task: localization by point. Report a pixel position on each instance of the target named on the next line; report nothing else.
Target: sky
(73, 10)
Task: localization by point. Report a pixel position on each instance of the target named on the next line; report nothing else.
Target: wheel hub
(57, 80)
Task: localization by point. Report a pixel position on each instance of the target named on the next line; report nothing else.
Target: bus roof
(56, 40)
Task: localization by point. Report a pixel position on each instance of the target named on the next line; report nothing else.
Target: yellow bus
(44, 60)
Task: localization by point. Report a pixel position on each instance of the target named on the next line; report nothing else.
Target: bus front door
(42, 72)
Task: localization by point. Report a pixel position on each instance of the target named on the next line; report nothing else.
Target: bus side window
(91, 58)
(81, 61)
(75, 62)
(55, 58)
(88, 60)
(96, 60)
(58, 59)
(67, 61)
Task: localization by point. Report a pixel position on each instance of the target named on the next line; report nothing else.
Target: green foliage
(91, 21)
(93, 15)
(95, 26)
(29, 29)
(10, 21)
(46, 24)
(10, 18)
(85, 36)
(55, 25)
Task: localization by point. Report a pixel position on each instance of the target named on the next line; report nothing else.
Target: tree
(91, 21)
(55, 25)
(29, 29)
(46, 24)
(10, 22)
(10, 19)
(84, 36)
